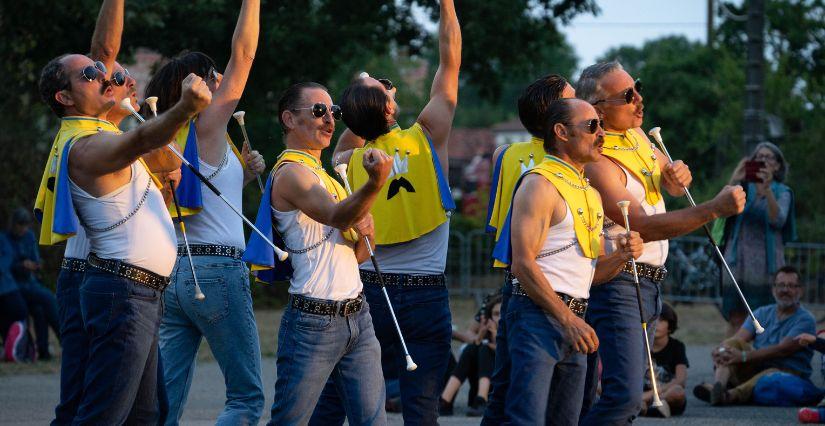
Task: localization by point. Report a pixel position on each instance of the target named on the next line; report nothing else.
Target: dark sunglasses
(591, 125)
(628, 95)
(119, 77)
(91, 72)
(319, 110)
(386, 83)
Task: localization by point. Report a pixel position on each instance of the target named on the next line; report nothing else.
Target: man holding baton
(633, 169)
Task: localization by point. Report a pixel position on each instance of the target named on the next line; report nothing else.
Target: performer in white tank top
(562, 261)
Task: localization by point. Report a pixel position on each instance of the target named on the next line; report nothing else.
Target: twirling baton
(341, 169)
(282, 255)
(655, 132)
(623, 205)
(152, 101)
(239, 116)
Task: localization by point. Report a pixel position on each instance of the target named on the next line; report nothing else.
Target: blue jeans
(313, 348)
(547, 372)
(614, 314)
(424, 317)
(75, 345)
(226, 320)
(43, 310)
(500, 380)
(121, 319)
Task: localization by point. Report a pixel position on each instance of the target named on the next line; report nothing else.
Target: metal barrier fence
(693, 272)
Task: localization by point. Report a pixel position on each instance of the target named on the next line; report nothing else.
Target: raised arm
(609, 179)
(297, 187)
(212, 122)
(108, 31)
(437, 116)
(106, 153)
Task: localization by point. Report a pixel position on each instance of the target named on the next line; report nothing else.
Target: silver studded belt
(135, 273)
(211, 250)
(656, 274)
(577, 306)
(342, 308)
(73, 264)
(370, 277)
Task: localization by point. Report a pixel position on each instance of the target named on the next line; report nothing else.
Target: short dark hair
(533, 102)
(363, 109)
(491, 303)
(559, 111)
(787, 269)
(166, 83)
(292, 97)
(54, 78)
(669, 315)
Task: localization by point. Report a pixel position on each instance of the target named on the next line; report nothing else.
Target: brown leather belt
(577, 306)
(125, 270)
(327, 307)
(656, 274)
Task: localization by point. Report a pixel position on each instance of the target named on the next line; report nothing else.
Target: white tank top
(145, 236)
(328, 271)
(217, 223)
(425, 255)
(655, 252)
(78, 246)
(567, 269)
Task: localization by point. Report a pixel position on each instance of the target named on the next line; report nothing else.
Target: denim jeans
(500, 380)
(547, 373)
(424, 317)
(614, 313)
(226, 320)
(313, 348)
(121, 318)
(43, 310)
(75, 345)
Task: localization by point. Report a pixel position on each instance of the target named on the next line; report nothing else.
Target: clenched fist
(378, 165)
(677, 173)
(365, 226)
(631, 246)
(730, 201)
(254, 160)
(195, 95)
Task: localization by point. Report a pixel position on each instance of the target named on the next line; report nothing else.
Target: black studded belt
(577, 306)
(656, 274)
(73, 264)
(369, 277)
(135, 273)
(211, 250)
(327, 307)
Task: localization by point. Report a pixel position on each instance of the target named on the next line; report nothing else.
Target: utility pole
(711, 11)
(754, 76)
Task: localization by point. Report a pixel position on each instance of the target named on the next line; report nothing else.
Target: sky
(632, 22)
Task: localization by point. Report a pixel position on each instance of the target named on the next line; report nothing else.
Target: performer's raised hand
(631, 246)
(195, 95)
(677, 174)
(730, 201)
(580, 335)
(378, 165)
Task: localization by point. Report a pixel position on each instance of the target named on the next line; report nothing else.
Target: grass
(699, 324)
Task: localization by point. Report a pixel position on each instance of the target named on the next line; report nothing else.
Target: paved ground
(28, 399)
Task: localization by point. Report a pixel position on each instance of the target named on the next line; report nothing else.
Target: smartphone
(751, 170)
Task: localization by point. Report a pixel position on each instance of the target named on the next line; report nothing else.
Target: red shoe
(16, 332)
(810, 415)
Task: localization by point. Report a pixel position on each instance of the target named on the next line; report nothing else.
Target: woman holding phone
(754, 241)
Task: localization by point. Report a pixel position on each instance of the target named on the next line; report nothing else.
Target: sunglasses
(591, 125)
(91, 72)
(119, 77)
(386, 83)
(628, 95)
(319, 110)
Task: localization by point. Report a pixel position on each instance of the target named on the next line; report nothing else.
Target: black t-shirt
(666, 361)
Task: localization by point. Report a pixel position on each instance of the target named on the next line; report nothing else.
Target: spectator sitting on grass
(670, 358)
(476, 362)
(744, 358)
(817, 343)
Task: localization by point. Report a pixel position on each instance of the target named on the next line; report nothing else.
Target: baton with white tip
(282, 255)
(152, 101)
(657, 136)
(623, 205)
(238, 115)
(341, 169)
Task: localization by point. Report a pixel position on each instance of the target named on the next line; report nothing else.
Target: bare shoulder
(537, 192)
(499, 152)
(604, 173)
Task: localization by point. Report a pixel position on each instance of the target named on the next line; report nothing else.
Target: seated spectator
(671, 363)
(41, 302)
(475, 362)
(743, 359)
(817, 343)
